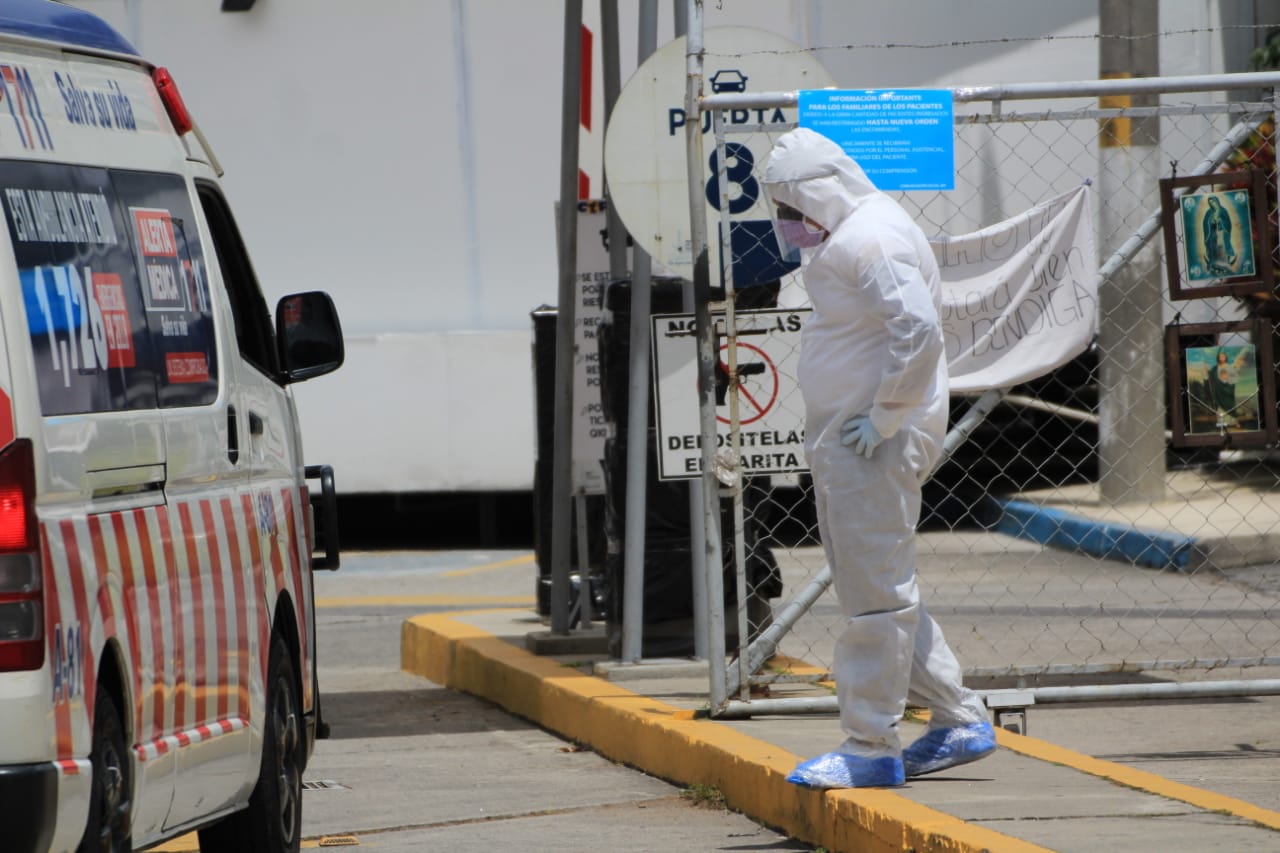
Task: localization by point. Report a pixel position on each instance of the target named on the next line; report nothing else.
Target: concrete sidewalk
(1035, 793)
(1160, 776)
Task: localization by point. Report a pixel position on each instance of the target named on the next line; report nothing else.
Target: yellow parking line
(190, 843)
(1139, 779)
(426, 601)
(488, 567)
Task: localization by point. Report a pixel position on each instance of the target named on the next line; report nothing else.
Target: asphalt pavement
(413, 766)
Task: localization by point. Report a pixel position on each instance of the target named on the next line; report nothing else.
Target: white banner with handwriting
(1019, 298)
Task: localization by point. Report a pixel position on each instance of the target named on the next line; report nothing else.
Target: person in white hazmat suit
(873, 374)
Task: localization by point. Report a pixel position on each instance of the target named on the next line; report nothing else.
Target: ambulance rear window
(114, 286)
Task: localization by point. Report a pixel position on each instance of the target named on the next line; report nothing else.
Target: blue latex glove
(859, 432)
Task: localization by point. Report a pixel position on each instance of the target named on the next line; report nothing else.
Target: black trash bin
(668, 585)
(544, 381)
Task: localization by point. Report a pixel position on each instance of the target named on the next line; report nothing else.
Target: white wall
(351, 156)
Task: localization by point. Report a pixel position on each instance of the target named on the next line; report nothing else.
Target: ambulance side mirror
(309, 336)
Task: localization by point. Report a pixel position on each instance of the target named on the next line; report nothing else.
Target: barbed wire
(1003, 40)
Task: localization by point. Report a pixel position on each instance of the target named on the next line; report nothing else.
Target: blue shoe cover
(838, 770)
(942, 748)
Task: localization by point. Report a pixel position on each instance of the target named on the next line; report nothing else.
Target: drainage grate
(323, 785)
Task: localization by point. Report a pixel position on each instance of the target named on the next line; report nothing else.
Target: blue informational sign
(904, 139)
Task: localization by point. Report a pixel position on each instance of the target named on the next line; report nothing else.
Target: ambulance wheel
(108, 829)
(273, 821)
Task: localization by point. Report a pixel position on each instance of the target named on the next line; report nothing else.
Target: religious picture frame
(1216, 237)
(1221, 384)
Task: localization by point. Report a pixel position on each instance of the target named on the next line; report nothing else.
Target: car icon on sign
(728, 80)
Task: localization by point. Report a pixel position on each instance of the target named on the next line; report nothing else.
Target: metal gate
(1157, 558)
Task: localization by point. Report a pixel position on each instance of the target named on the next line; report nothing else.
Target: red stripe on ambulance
(241, 614)
(79, 657)
(200, 682)
(295, 541)
(53, 614)
(277, 564)
(220, 611)
(105, 606)
(156, 634)
(178, 658)
(260, 600)
(259, 579)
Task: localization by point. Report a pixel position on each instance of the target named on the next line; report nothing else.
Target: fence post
(1131, 444)
(707, 354)
(562, 452)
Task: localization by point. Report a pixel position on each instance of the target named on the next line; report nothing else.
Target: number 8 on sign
(739, 168)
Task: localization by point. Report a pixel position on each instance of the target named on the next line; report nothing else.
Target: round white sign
(645, 147)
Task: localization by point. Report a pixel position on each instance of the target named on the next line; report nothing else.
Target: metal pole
(697, 533)
(738, 476)
(1039, 695)
(610, 57)
(1131, 445)
(707, 355)
(1175, 690)
(1036, 91)
(562, 447)
(637, 463)
(638, 410)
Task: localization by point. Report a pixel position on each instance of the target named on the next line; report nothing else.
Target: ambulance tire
(273, 821)
(110, 798)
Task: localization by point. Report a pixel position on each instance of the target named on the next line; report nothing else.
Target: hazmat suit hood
(809, 172)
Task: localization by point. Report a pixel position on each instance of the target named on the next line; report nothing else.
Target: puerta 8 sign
(645, 150)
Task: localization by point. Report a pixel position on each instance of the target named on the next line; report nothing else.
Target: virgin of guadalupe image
(1215, 232)
(1218, 240)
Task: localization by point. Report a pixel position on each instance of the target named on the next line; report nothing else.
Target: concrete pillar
(1131, 328)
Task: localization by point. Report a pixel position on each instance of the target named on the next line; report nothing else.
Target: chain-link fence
(1111, 519)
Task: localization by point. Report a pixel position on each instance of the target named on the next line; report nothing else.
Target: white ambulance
(157, 639)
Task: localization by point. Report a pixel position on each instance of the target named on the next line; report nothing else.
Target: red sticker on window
(109, 291)
(186, 367)
(155, 233)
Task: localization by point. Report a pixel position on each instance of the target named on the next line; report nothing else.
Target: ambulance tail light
(21, 589)
(172, 100)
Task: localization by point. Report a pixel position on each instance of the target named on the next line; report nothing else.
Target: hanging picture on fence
(1216, 235)
(1221, 386)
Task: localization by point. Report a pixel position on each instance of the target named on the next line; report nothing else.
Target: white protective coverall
(873, 345)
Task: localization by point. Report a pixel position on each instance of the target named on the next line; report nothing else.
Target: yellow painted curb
(661, 740)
